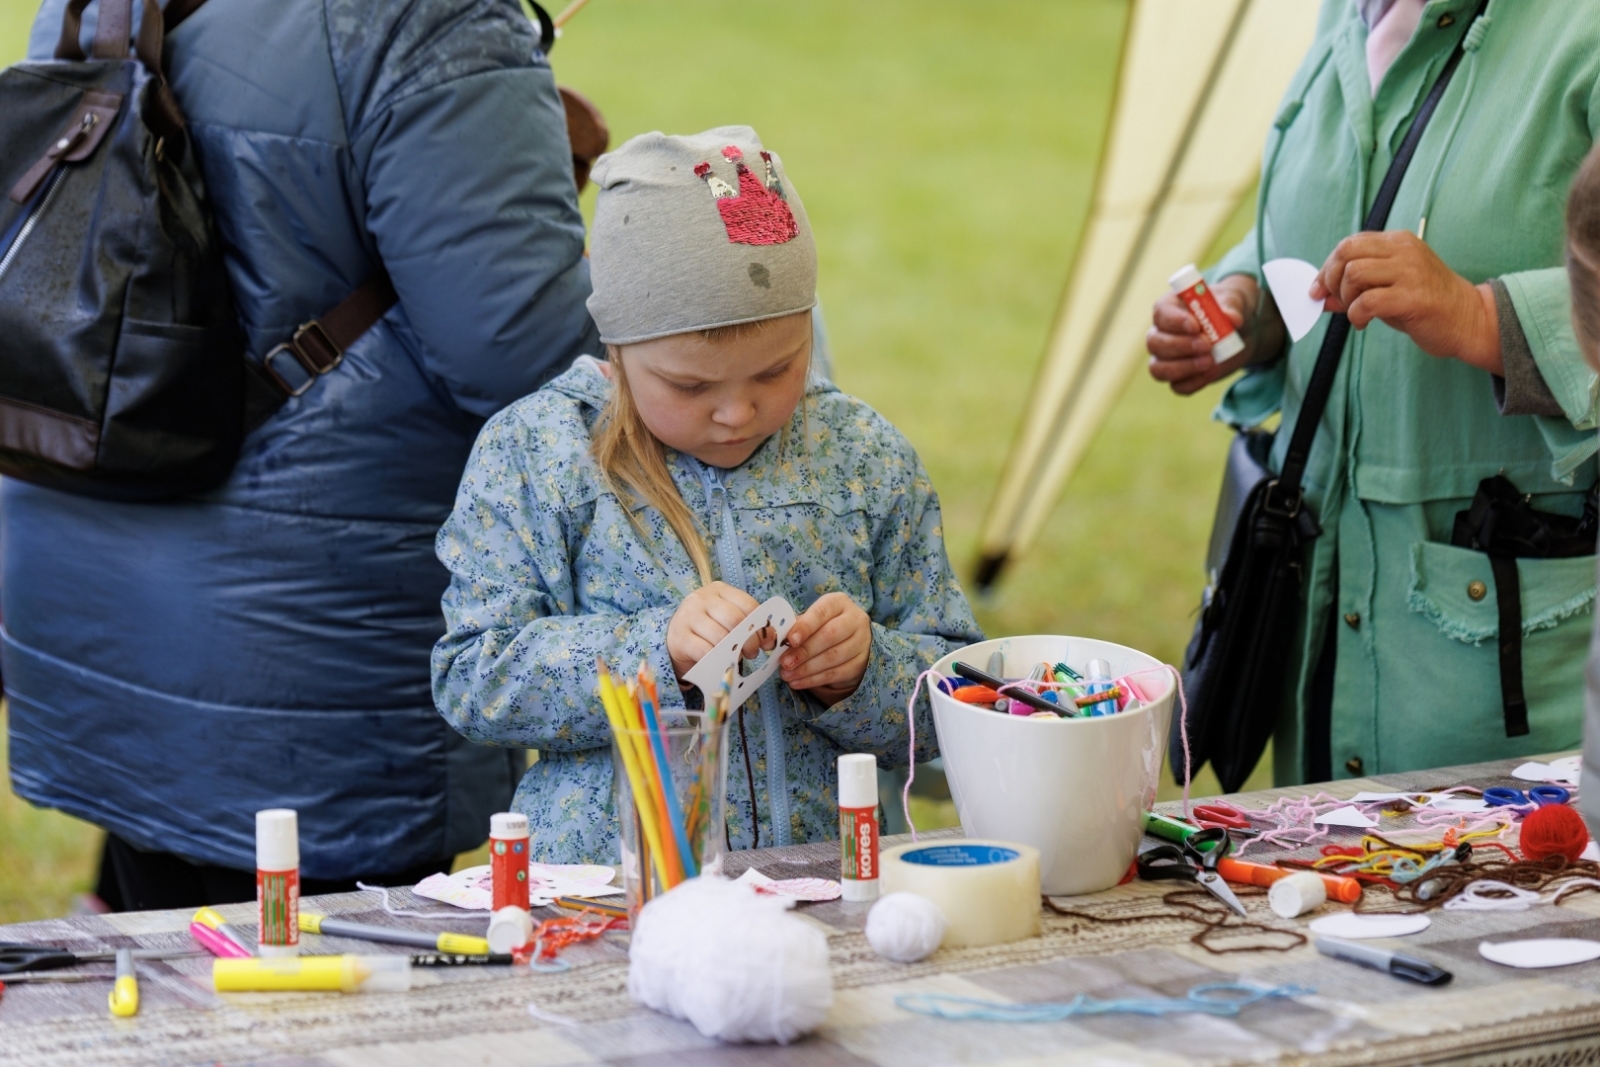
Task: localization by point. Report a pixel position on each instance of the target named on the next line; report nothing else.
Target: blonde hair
(1583, 255)
(630, 455)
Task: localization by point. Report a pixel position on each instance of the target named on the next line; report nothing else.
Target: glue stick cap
(508, 824)
(858, 781)
(1187, 277)
(277, 840)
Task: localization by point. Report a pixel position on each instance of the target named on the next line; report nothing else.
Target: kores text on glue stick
(278, 882)
(858, 826)
(1202, 304)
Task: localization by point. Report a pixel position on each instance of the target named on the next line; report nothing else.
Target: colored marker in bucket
(1051, 690)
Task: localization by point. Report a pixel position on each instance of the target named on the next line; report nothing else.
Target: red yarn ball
(1554, 830)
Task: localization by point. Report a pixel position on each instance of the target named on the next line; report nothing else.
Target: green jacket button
(1446, 21)
(1477, 590)
(1354, 764)
(1352, 620)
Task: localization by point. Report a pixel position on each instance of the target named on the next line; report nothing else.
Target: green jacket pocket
(1454, 587)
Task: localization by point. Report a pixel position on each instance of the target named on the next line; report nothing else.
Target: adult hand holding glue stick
(1181, 352)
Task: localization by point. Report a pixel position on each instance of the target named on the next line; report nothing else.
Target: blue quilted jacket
(174, 667)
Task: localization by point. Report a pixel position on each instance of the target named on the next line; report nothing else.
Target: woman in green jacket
(1462, 365)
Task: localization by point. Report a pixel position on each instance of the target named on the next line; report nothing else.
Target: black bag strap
(1286, 494)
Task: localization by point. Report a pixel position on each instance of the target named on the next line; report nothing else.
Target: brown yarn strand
(1447, 881)
(1202, 908)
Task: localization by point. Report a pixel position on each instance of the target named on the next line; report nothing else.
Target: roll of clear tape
(987, 890)
(1297, 894)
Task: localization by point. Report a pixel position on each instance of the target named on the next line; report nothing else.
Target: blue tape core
(959, 855)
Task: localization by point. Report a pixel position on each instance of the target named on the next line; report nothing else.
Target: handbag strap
(1286, 494)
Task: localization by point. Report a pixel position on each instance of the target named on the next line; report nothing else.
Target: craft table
(481, 1015)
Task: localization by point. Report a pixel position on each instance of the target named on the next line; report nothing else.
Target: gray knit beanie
(696, 232)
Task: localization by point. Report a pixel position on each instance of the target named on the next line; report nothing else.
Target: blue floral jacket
(547, 574)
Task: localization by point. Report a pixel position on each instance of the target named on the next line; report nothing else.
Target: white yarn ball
(905, 927)
(734, 963)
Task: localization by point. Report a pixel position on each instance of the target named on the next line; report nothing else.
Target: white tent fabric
(1198, 86)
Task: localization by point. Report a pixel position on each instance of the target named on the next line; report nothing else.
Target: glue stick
(346, 974)
(508, 859)
(1196, 295)
(1099, 675)
(278, 882)
(858, 826)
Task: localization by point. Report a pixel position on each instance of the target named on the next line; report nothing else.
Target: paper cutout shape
(1591, 851)
(1348, 815)
(707, 675)
(812, 889)
(1369, 798)
(1355, 927)
(472, 888)
(1540, 952)
(1564, 771)
(1458, 804)
(1290, 281)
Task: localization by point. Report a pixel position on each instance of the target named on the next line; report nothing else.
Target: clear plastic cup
(697, 763)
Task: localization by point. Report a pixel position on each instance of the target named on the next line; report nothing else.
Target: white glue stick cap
(1297, 894)
(508, 824)
(1187, 277)
(277, 840)
(858, 781)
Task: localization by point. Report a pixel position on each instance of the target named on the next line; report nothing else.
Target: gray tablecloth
(1488, 1015)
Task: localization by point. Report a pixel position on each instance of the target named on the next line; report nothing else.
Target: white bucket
(1075, 789)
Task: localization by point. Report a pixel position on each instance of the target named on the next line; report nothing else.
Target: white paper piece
(1372, 798)
(1591, 851)
(1290, 281)
(473, 887)
(1360, 927)
(794, 888)
(1346, 816)
(1564, 771)
(1458, 804)
(1540, 952)
(707, 675)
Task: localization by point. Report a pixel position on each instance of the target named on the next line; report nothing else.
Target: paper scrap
(1360, 927)
(1372, 798)
(811, 889)
(1348, 815)
(1540, 952)
(1290, 281)
(1564, 771)
(1591, 851)
(1458, 804)
(473, 887)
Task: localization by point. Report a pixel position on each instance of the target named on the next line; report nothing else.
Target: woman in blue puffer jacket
(174, 667)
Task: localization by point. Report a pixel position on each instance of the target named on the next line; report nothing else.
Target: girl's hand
(705, 617)
(1397, 279)
(828, 649)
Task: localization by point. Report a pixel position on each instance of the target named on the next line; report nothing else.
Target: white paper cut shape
(1348, 815)
(707, 675)
(1290, 281)
(1459, 804)
(1532, 771)
(473, 887)
(811, 889)
(1540, 952)
(1355, 927)
(1591, 851)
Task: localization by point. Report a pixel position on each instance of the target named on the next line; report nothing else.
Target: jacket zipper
(32, 220)
(767, 696)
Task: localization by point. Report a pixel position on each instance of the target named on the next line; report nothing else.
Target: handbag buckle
(312, 348)
(1287, 509)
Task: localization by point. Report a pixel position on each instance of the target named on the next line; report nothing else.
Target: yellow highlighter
(342, 974)
(459, 944)
(124, 995)
(209, 916)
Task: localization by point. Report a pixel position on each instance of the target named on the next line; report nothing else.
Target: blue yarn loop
(1212, 998)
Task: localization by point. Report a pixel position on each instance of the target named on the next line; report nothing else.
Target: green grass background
(946, 153)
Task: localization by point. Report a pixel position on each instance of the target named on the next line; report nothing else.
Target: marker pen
(1243, 872)
(464, 944)
(1099, 673)
(347, 974)
(124, 995)
(212, 918)
(214, 942)
(1379, 959)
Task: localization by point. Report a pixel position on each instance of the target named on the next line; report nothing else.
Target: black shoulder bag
(1235, 671)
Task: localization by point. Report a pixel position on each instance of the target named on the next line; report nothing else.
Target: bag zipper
(32, 220)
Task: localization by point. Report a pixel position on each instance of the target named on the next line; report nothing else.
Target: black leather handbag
(121, 362)
(1236, 669)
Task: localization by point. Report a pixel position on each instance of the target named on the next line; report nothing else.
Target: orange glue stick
(1344, 890)
(1196, 295)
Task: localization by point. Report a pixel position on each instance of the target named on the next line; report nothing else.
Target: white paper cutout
(1346, 816)
(795, 888)
(1371, 798)
(1564, 771)
(1540, 952)
(1290, 281)
(1591, 851)
(1459, 804)
(707, 675)
(1355, 927)
(472, 888)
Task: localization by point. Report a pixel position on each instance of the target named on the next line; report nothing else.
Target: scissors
(1195, 861)
(1225, 816)
(15, 958)
(1537, 797)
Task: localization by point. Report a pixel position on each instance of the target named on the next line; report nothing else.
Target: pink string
(911, 762)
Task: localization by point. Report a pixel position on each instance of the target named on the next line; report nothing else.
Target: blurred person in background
(1462, 364)
(1583, 267)
(174, 667)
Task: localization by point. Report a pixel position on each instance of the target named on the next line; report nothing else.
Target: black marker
(1011, 690)
(1380, 959)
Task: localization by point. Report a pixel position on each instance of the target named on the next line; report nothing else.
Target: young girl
(639, 509)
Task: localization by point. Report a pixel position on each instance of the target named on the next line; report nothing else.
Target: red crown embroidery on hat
(755, 214)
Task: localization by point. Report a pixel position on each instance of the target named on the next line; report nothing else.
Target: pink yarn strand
(911, 760)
